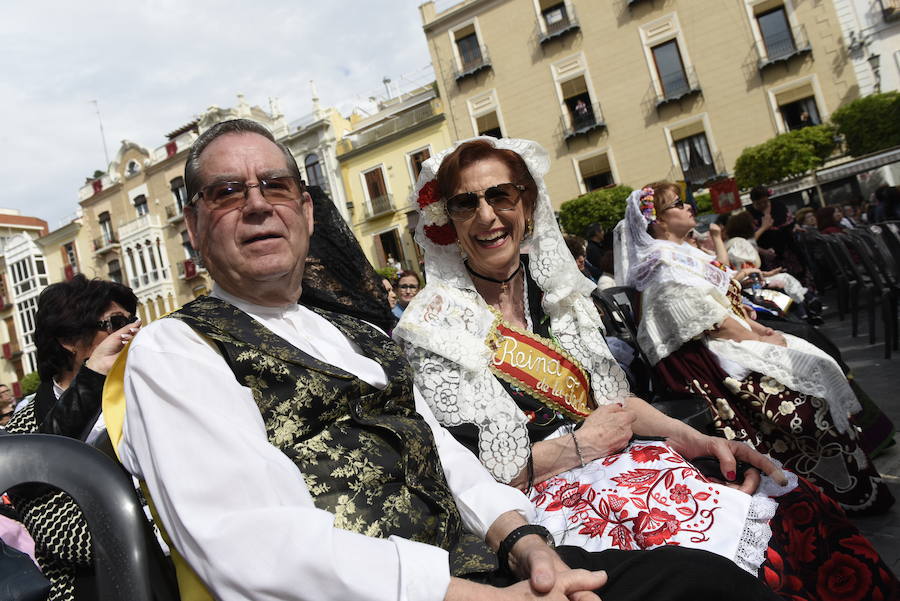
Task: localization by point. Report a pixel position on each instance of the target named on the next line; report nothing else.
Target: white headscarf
(445, 326)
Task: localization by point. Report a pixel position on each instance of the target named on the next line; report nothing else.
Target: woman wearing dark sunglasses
(80, 327)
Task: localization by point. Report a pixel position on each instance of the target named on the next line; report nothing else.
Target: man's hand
(605, 431)
(690, 443)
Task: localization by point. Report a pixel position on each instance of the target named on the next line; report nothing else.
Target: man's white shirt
(238, 509)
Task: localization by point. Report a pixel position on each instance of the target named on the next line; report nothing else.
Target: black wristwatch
(513, 537)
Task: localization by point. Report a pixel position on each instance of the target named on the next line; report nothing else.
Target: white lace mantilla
(445, 326)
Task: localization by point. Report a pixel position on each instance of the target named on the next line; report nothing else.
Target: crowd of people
(491, 447)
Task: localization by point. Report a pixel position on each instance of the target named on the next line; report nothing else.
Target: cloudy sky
(154, 65)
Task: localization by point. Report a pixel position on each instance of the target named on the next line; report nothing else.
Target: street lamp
(874, 61)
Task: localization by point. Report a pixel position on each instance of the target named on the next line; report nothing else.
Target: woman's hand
(715, 231)
(776, 271)
(767, 222)
(744, 273)
(691, 443)
(103, 357)
(605, 431)
(773, 337)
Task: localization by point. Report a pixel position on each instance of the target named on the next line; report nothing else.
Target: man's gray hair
(192, 180)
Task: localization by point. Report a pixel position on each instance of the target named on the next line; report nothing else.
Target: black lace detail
(338, 277)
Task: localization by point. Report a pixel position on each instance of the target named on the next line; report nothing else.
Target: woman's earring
(529, 228)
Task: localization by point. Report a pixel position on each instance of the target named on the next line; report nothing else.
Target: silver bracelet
(578, 449)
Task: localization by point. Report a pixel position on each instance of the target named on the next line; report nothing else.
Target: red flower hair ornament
(437, 224)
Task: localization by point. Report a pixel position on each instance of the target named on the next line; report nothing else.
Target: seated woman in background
(828, 219)
(80, 327)
(777, 392)
(805, 219)
(742, 251)
(508, 351)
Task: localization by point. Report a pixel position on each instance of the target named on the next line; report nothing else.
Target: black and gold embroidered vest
(366, 455)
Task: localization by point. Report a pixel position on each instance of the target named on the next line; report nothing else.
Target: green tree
(606, 206)
(704, 203)
(870, 123)
(786, 155)
(389, 273)
(30, 383)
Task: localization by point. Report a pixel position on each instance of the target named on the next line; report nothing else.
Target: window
(416, 159)
(27, 310)
(470, 55)
(695, 158)
(489, 125)
(670, 68)
(596, 172)
(555, 15)
(70, 260)
(179, 192)
(132, 168)
(22, 276)
(140, 205)
(578, 102)
(189, 252)
(314, 174)
(106, 228)
(114, 270)
(800, 113)
(379, 200)
(776, 33)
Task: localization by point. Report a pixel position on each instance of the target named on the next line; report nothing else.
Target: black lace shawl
(338, 276)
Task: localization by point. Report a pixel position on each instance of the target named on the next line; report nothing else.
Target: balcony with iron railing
(782, 47)
(890, 9)
(392, 125)
(378, 206)
(582, 121)
(174, 213)
(675, 86)
(105, 243)
(472, 63)
(559, 28)
(700, 174)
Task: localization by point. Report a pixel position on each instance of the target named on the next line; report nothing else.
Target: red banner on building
(725, 196)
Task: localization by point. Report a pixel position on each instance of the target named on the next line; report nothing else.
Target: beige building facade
(380, 161)
(633, 91)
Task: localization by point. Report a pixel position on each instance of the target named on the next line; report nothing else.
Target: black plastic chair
(623, 302)
(861, 285)
(104, 494)
(884, 285)
(827, 269)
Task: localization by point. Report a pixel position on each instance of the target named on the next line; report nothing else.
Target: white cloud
(154, 65)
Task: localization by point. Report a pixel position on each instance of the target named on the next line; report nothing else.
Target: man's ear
(69, 345)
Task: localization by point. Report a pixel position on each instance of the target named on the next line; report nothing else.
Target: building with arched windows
(313, 139)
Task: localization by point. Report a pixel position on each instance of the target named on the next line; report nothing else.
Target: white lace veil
(642, 261)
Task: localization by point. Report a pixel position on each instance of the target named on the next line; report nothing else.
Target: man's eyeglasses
(116, 322)
(408, 287)
(283, 190)
(502, 197)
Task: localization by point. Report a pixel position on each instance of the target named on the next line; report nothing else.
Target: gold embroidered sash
(541, 368)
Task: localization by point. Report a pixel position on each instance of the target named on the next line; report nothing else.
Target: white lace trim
(673, 314)
(800, 366)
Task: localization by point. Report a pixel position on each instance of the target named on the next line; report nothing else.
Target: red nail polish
(731, 475)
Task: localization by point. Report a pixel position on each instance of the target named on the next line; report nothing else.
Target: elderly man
(288, 455)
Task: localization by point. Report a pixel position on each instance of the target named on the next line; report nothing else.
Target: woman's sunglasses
(502, 197)
(116, 322)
